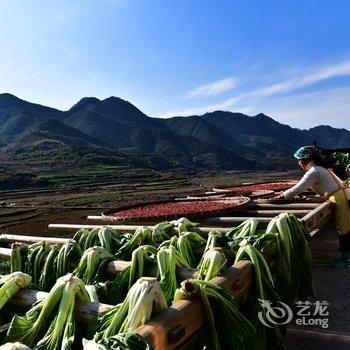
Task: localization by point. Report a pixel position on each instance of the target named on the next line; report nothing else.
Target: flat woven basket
(175, 209)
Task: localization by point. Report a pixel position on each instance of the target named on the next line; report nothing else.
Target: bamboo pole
(84, 310)
(130, 228)
(5, 238)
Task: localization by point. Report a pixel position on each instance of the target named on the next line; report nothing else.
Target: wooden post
(319, 216)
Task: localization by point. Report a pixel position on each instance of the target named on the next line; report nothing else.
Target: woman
(331, 187)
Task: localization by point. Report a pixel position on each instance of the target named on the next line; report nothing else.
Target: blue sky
(287, 59)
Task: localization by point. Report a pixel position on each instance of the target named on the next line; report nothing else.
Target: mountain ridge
(218, 139)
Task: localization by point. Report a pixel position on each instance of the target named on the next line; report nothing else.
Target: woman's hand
(277, 198)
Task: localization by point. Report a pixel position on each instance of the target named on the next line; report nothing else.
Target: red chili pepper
(273, 186)
(176, 209)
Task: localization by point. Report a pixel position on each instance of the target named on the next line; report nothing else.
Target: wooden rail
(174, 327)
(169, 329)
(318, 217)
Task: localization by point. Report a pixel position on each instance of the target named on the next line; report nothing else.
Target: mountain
(95, 130)
(329, 137)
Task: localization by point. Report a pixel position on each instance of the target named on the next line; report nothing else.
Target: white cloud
(325, 107)
(249, 101)
(317, 76)
(201, 110)
(212, 89)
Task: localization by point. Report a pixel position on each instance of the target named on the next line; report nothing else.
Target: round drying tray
(247, 189)
(176, 209)
(205, 197)
(260, 194)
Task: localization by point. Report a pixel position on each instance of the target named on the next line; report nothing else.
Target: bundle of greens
(268, 338)
(141, 258)
(144, 299)
(168, 259)
(124, 341)
(213, 262)
(161, 232)
(50, 325)
(86, 239)
(292, 258)
(67, 258)
(301, 257)
(92, 265)
(186, 243)
(19, 253)
(183, 225)
(48, 277)
(36, 257)
(245, 229)
(229, 328)
(141, 236)
(11, 284)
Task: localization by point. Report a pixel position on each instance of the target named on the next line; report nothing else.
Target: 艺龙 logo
(270, 315)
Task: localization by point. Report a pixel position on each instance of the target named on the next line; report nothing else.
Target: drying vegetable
(123, 341)
(144, 299)
(183, 224)
(37, 254)
(168, 259)
(19, 252)
(68, 258)
(48, 277)
(11, 284)
(142, 235)
(268, 338)
(245, 229)
(141, 258)
(229, 328)
(92, 264)
(49, 324)
(161, 231)
(214, 260)
(110, 239)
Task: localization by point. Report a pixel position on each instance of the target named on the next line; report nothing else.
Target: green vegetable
(268, 338)
(11, 284)
(110, 239)
(122, 341)
(229, 328)
(161, 231)
(92, 264)
(144, 299)
(142, 235)
(183, 225)
(245, 229)
(141, 257)
(214, 260)
(19, 252)
(50, 324)
(168, 259)
(48, 278)
(68, 258)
